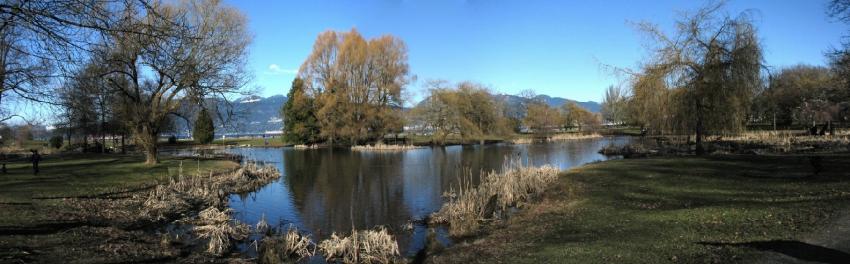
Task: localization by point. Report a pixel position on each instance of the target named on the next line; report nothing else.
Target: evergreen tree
(204, 131)
(299, 120)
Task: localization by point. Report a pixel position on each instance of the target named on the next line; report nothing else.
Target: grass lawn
(84, 175)
(715, 209)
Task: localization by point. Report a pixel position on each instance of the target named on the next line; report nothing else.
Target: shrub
(56, 142)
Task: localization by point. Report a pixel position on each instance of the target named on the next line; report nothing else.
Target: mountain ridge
(257, 114)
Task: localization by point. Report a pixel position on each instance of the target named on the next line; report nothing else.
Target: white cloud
(275, 69)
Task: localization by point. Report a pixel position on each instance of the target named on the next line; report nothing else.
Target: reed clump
(383, 147)
(468, 207)
(303, 146)
(788, 140)
(184, 192)
(572, 136)
(290, 246)
(362, 246)
(522, 140)
(218, 227)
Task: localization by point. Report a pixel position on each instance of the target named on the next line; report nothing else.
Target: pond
(334, 190)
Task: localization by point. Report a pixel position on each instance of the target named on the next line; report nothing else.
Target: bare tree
(204, 56)
(41, 42)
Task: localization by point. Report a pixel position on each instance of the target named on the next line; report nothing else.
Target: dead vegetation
(383, 147)
(218, 227)
(302, 146)
(573, 136)
(556, 138)
(288, 246)
(468, 206)
(362, 246)
(184, 192)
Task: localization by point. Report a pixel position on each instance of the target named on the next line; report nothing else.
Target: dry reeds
(790, 140)
(289, 246)
(302, 146)
(383, 147)
(262, 226)
(364, 246)
(469, 206)
(522, 140)
(556, 138)
(220, 229)
(184, 192)
(572, 136)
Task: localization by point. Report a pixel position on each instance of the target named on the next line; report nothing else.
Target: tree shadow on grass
(796, 249)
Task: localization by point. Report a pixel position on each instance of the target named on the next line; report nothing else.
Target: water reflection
(334, 190)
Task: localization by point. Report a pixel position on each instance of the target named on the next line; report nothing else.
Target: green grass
(84, 175)
(663, 210)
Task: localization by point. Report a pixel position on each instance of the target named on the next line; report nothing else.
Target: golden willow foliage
(576, 116)
(357, 85)
(542, 118)
(701, 79)
(465, 109)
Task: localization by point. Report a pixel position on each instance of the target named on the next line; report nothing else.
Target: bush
(56, 142)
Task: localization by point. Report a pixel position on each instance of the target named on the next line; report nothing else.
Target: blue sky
(553, 47)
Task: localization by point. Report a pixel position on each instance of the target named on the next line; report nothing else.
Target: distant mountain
(255, 114)
(247, 115)
(555, 102)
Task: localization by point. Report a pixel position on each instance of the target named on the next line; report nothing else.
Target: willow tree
(614, 105)
(203, 57)
(649, 105)
(465, 109)
(542, 119)
(840, 58)
(716, 61)
(357, 85)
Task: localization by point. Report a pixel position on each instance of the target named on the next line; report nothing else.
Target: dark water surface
(332, 190)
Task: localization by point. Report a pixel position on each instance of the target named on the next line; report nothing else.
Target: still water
(332, 190)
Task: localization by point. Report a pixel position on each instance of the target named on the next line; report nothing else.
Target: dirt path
(831, 244)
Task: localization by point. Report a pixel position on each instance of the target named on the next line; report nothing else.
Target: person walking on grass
(35, 158)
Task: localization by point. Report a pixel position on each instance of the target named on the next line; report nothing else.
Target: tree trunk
(147, 136)
(699, 132)
(123, 146)
(102, 137)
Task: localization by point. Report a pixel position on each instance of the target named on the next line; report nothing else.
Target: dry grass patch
(469, 206)
(289, 246)
(383, 147)
(184, 192)
(220, 229)
(365, 246)
(302, 146)
(564, 137)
